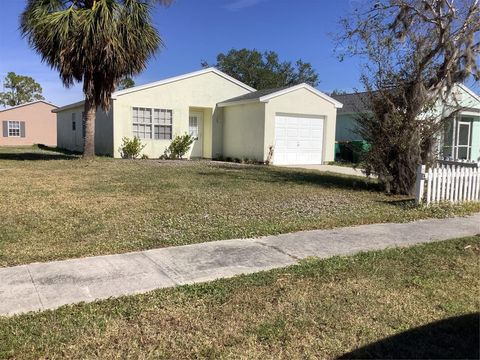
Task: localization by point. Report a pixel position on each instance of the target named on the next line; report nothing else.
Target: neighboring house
(29, 124)
(226, 117)
(459, 140)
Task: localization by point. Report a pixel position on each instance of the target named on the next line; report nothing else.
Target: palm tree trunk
(89, 142)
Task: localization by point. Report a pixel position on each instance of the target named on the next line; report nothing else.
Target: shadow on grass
(37, 152)
(452, 338)
(299, 176)
(407, 203)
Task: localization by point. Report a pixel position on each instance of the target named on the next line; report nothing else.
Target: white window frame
(193, 126)
(468, 146)
(152, 123)
(14, 127)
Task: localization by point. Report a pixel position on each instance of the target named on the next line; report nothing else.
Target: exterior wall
(243, 131)
(199, 93)
(302, 102)
(40, 125)
(345, 128)
(217, 132)
(475, 154)
(104, 132)
(460, 98)
(66, 137)
(72, 140)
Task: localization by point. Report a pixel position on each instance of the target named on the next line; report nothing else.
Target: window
(193, 127)
(152, 123)
(74, 125)
(14, 129)
(463, 140)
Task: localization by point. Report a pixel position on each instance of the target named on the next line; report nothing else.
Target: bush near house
(131, 148)
(179, 146)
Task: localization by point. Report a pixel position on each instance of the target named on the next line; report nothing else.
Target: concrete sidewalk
(40, 286)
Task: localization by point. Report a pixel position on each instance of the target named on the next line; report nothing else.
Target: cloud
(236, 5)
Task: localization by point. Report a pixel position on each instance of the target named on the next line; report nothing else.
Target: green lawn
(319, 309)
(56, 206)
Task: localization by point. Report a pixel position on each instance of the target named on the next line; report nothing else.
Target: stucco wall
(73, 140)
(199, 93)
(302, 102)
(243, 131)
(217, 132)
(40, 125)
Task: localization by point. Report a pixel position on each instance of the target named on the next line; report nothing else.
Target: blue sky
(196, 30)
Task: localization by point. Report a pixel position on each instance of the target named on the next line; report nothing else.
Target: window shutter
(22, 128)
(5, 128)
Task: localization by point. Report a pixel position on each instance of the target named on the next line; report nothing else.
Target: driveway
(344, 170)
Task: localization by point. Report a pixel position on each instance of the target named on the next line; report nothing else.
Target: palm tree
(95, 41)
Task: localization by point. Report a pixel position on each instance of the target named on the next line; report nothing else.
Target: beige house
(227, 118)
(29, 124)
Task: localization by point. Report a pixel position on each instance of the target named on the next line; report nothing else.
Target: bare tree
(415, 52)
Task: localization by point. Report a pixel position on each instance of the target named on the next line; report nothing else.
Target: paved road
(40, 286)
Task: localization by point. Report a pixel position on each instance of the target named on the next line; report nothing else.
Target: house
(459, 140)
(227, 118)
(29, 124)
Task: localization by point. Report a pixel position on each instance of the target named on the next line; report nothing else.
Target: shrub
(250, 161)
(131, 148)
(178, 147)
(268, 161)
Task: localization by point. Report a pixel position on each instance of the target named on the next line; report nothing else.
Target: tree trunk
(89, 142)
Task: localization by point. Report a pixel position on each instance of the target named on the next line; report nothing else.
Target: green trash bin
(359, 148)
(337, 151)
(345, 151)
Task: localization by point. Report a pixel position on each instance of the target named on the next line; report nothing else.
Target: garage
(298, 140)
(289, 126)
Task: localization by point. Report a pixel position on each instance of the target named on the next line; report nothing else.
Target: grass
(418, 302)
(346, 164)
(56, 206)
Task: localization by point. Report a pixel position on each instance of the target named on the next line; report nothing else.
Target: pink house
(29, 124)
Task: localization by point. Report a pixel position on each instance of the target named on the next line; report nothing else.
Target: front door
(195, 129)
(463, 140)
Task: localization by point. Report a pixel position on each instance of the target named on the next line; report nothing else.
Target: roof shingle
(352, 103)
(255, 95)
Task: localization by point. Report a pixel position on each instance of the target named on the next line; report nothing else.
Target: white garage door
(298, 140)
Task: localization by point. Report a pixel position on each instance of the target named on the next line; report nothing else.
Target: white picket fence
(453, 184)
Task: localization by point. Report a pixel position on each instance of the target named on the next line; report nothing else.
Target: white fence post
(455, 184)
(420, 184)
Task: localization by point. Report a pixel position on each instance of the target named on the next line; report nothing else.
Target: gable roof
(253, 96)
(182, 77)
(469, 92)
(69, 106)
(352, 103)
(358, 102)
(163, 82)
(29, 103)
(267, 94)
